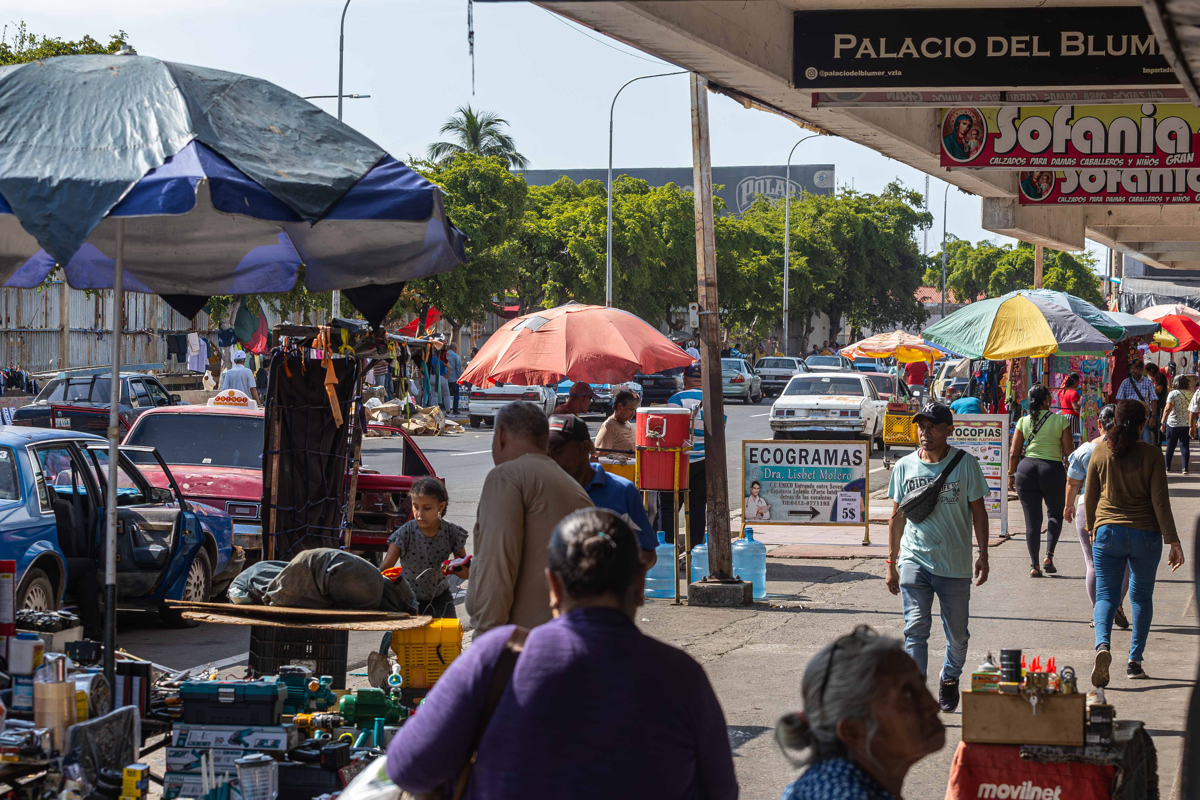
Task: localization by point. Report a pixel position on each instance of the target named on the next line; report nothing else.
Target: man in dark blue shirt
(571, 448)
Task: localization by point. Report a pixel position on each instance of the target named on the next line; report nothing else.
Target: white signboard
(985, 436)
(805, 482)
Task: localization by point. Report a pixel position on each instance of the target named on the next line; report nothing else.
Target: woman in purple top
(588, 712)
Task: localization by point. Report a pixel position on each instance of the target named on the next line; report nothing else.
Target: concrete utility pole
(1037, 266)
(720, 557)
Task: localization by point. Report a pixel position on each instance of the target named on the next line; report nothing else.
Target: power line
(606, 44)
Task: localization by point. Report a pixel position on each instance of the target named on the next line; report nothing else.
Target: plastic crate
(322, 651)
(424, 653)
(899, 429)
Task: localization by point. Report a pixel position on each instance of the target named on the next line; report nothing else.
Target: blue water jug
(700, 561)
(750, 563)
(660, 579)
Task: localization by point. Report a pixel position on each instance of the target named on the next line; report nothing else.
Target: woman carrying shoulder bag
(1129, 514)
(1037, 471)
(592, 707)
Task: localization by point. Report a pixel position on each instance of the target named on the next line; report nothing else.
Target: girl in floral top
(423, 543)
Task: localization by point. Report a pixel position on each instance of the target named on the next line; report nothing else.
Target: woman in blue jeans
(1129, 514)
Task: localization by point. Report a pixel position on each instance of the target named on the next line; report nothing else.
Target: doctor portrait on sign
(757, 507)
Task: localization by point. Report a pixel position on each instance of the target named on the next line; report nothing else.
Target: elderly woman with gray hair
(868, 718)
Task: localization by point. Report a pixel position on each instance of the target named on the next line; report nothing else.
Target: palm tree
(478, 133)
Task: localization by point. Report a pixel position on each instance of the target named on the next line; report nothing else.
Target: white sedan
(829, 404)
(484, 403)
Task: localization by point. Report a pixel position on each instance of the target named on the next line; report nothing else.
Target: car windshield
(823, 361)
(824, 386)
(217, 440)
(884, 384)
(776, 363)
(734, 364)
(67, 390)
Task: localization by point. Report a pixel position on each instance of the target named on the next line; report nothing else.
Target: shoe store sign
(1018, 48)
(1146, 135)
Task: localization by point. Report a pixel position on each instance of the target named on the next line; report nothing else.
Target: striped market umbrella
(1019, 324)
(904, 347)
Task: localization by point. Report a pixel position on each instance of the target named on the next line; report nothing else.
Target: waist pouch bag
(918, 504)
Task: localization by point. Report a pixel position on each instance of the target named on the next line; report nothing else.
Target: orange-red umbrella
(1184, 329)
(583, 343)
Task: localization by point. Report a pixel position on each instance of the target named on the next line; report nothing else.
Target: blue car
(52, 512)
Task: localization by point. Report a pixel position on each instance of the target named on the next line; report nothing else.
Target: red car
(215, 454)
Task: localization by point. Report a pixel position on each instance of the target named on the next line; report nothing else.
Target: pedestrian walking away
(1129, 514)
(523, 498)
(1139, 387)
(867, 719)
(1037, 472)
(929, 553)
(1175, 422)
(423, 544)
(239, 377)
(1074, 512)
(581, 706)
(1159, 378)
(453, 373)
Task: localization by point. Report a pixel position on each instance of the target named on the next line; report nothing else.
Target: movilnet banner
(1037, 97)
(977, 48)
(1061, 137)
(1110, 186)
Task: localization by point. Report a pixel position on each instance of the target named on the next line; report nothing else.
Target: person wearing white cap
(239, 376)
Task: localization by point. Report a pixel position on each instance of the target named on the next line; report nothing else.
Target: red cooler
(662, 433)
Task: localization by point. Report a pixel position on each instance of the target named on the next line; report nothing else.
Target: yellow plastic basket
(424, 653)
(898, 428)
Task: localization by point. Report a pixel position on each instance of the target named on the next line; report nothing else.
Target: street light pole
(787, 230)
(336, 300)
(945, 197)
(611, 109)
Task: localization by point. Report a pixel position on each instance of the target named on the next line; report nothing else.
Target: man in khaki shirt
(616, 434)
(524, 498)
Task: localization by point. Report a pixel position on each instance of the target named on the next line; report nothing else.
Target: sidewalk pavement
(755, 656)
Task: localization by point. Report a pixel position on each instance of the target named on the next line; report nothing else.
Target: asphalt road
(463, 460)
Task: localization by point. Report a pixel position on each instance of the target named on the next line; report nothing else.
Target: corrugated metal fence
(35, 332)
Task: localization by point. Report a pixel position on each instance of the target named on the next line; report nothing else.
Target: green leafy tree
(480, 133)
(486, 202)
(988, 270)
(25, 46)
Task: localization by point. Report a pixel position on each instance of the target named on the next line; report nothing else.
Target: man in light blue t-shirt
(933, 556)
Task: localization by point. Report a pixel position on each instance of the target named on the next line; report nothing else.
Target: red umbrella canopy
(584, 343)
(1183, 328)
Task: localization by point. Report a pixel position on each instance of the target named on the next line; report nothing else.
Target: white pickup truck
(482, 404)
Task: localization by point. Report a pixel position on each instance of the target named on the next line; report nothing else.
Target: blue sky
(552, 80)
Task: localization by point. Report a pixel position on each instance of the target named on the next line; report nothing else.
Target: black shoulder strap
(1136, 390)
(1033, 432)
(501, 676)
(940, 481)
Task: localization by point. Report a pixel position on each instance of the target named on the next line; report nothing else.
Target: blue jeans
(1114, 547)
(917, 589)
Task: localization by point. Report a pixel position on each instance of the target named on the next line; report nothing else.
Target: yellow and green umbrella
(1017, 325)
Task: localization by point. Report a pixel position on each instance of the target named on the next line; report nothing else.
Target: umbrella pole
(114, 436)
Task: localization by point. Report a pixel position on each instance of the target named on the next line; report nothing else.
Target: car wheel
(36, 592)
(197, 589)
(759, 397)
(476, 421)
(881, 444)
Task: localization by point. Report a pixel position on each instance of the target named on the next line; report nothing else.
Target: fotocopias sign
(1019, 48)
(1070, 137)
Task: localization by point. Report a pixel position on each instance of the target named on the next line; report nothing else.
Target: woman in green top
(1037, 471)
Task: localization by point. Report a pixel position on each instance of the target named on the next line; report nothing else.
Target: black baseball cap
(693, 371)
(568, 428)
(936, 413)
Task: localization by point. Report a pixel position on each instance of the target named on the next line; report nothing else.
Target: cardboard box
(187, 759)
(993, 718)
(272, 738)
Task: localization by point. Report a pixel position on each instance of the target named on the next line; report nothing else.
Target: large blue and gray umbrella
(136, 173)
